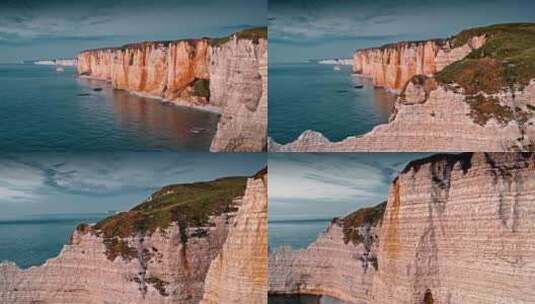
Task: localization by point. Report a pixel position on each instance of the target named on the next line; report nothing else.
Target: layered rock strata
(392, 65)
(456, 229)
(341, 263)
(159, 252)
(239, 273)
(227, 75)
(472, 92)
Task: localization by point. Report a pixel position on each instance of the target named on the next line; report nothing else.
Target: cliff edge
(227, 75)
(456, 229)
(474, 91)
(160, 251)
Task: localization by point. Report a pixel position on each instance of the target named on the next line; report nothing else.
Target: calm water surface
(45, 110)
(302, 299)
(295, 233)
(314, 96)
(31, 241)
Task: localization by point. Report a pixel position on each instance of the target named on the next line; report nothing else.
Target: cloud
(32, 177)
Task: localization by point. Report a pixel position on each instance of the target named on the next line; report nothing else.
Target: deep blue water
(314, 96)
(295, 233)
(302, 299)
(31, 241)
(41, 110)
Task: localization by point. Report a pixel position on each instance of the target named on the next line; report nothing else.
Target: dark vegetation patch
(254, 34)
(117, 247)
(465, 160)
(484, 108)
(158, 284)
(366, 216)
(507, 59)
(201, 87)
(188, 205)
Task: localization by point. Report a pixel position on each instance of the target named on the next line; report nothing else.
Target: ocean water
(302, 299)
(314, 96)
(296, 234)
(31, 241)
(45, 110)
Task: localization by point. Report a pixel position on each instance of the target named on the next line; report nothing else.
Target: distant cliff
(166, 250)
(474, 91)
(226, 74)
(456, 229)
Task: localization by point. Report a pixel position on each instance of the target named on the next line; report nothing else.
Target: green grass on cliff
(201, 87)
(506, 60)
(365, 216)
(188, 205)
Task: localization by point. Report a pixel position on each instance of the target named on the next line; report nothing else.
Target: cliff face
(227, 75)
(391, 66)
(456, 229)
(239, 272)
(146, 255)
(341, 263)
(472, 92)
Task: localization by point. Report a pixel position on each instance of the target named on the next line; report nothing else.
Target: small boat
(196, 130)
(336, 68)
(59, 69)
(358, 86)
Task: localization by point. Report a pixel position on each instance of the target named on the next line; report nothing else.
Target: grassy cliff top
(506, 60)
(252, 33)
(365, 216)
(188, 205)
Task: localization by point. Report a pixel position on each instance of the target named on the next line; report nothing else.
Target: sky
(48, 183)
(300, 30)
(36, 29)
(326, 185)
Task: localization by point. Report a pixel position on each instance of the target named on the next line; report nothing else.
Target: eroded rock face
(446, 101)
(443, 119)
(391, 66)
(239, 79)
(333, 265)
(166, 266)
(456, 229)
(239, 273)
(227, 75)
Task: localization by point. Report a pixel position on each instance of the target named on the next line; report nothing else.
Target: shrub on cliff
(506, 60)
(201, 88)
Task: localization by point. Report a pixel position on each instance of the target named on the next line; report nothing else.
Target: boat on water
(59, 69)
(336, 68)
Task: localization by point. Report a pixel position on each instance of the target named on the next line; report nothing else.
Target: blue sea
(296, 234)
(30, 241)
(314, 96)
(45, 110)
